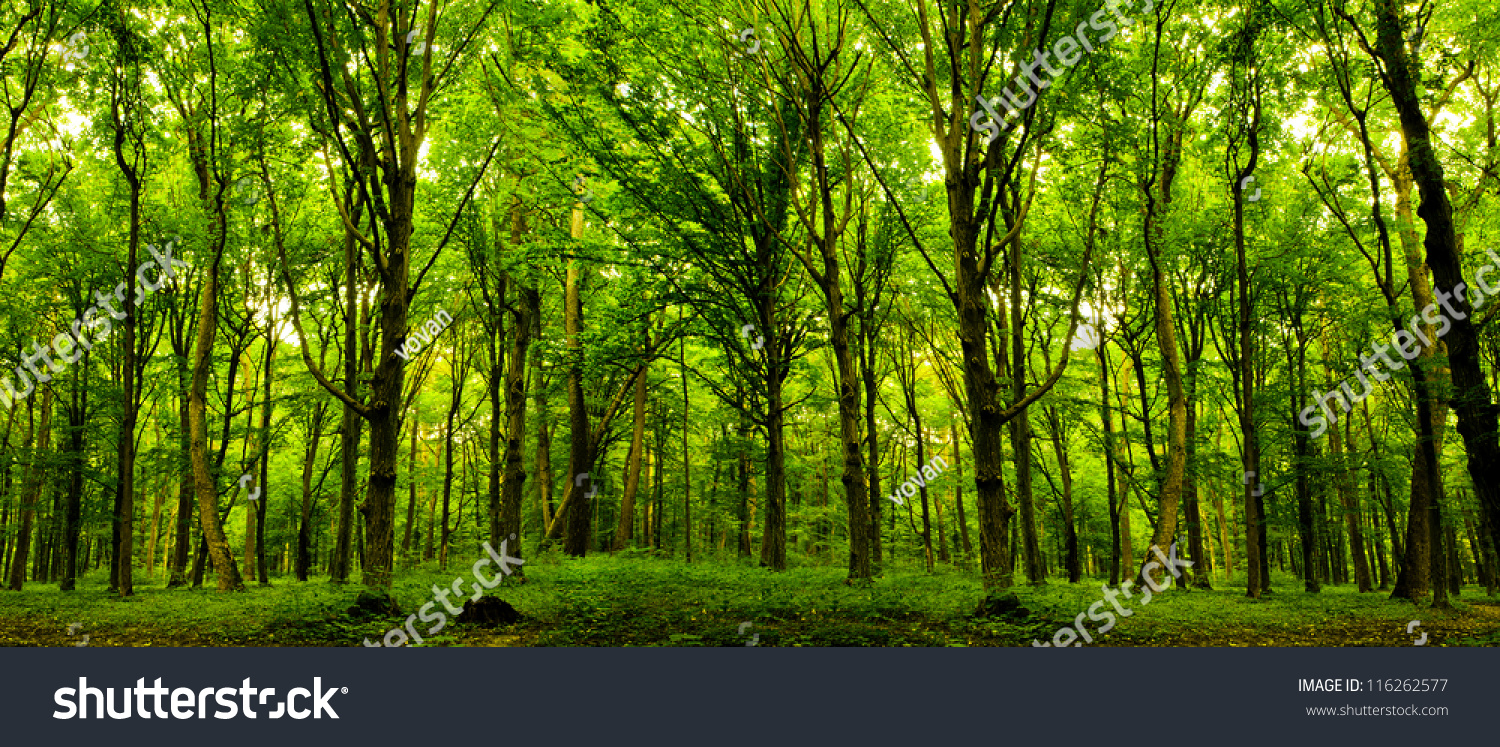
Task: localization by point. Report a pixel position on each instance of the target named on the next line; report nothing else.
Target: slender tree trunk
(687, 474)
(1224, 539)
(633, 465)
(457, 384)
(580, 455)
(250, 448)
(263, 483)
(77, 418)
(744, 490)
(431, 526)
(1127, 551)
(1106, 412)
(515, 429)
(543, 457)
(1071, 561)
(350, 430)
(773, 538)
(872, 434)
(958, 490)
(1349, 500)
(1301, 454)
(494, 339)
(204, 485)
(304, 529)
(414, 423)
(183, 536)
(942, 544)
(33, 484)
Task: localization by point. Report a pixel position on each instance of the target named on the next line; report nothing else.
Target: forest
(837, 322)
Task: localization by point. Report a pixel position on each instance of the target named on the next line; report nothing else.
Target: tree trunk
(687, 468)
(577, 512)
(456, 383)
(33, 484)
(183, 535)
(633, 464)
(515, 429)
(250, 448)
(203, 479)
(352, 425)
(1106, 412)
(304, 530)
(543, 454)
(414, 423)
(1343, 477)
(73, 513)
(1478, 420)
(1070, 531)
(958, 490)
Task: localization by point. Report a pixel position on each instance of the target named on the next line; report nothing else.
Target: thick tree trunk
(982, 391)
(1478, 420)
(853, 477)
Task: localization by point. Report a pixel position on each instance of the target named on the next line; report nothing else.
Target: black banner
(748, 695)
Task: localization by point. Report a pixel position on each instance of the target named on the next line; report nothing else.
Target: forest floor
(635, 599)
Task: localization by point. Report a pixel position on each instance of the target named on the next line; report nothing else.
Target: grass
(635, 599)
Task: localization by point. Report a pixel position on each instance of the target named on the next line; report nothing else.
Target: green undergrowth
(637, 599)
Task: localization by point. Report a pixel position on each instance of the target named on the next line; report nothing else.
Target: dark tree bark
(304, 528)
(31, 486)
(78, 410)
(351, 427)
(1071, 560)
(958, 490)
(1478, 420)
